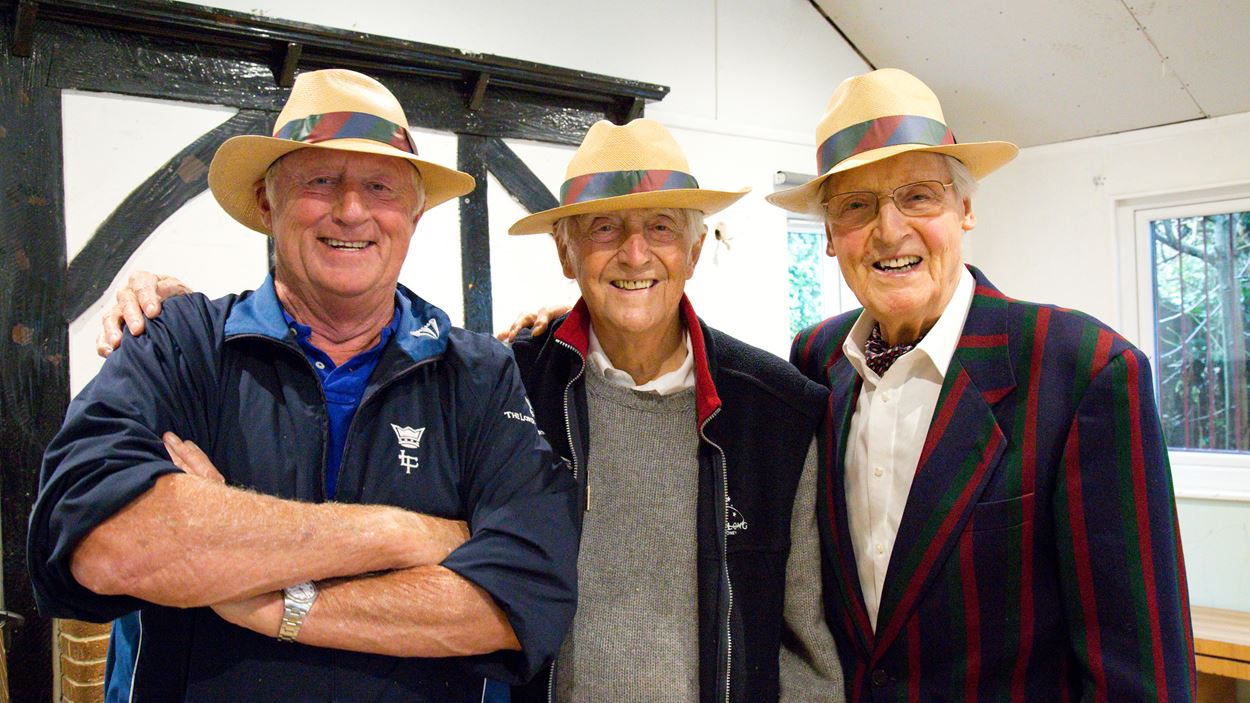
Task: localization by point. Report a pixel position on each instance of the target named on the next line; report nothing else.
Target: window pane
(806, 249)
(1202, 329)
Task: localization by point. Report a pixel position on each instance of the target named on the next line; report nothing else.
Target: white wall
(1048, 232)
(741, 107)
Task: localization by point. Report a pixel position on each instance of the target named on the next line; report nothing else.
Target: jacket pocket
(1000, 514)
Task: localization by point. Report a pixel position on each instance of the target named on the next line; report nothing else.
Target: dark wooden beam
(631, 109)
(322, 47)
(516, 177)
(181, 178)
(286, 58)
(479, 91)
(475, 236)
(111, 61)
(23, 41)
(34, 340)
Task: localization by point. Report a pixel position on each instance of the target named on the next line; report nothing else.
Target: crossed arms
(170, 532)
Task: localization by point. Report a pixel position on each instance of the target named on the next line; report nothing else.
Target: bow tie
(881, 356)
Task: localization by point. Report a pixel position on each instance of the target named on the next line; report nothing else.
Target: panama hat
(638, 165)
(878, 115)
(330, 109)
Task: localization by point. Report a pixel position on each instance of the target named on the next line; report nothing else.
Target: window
(1202, 328)
(1191, 301)
(816, 289)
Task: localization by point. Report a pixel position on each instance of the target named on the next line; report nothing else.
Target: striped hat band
(609, 184)
(347, 125)
(878, 133)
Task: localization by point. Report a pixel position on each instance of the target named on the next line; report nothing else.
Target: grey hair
(965, 185)
(692, 225)
(271, 178)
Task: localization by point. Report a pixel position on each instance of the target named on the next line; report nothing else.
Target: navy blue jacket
(756, 418)
(229, 375)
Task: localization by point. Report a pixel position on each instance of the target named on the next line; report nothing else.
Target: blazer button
(880, 678)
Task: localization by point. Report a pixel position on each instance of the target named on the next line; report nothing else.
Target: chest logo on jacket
(734, 521)
(409, 438)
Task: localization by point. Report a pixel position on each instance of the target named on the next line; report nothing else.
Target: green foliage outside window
(1202, 330)
(806, 248)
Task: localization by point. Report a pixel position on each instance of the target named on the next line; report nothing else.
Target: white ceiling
(1046, 71)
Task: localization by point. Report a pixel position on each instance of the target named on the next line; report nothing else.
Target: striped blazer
(1038, 556)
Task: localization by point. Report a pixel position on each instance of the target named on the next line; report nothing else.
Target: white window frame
(1195, 474)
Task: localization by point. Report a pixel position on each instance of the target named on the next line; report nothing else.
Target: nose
(635, 250)
(892, 225)
(349, 206)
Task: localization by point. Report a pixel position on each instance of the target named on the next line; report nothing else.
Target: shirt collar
(672, 382)
(939, 343)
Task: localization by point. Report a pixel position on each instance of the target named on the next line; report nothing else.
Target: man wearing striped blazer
(996, 505)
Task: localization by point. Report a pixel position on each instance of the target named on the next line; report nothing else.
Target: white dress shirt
(676, 380)
(888, 430)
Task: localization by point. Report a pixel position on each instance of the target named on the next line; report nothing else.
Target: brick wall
(82, 647)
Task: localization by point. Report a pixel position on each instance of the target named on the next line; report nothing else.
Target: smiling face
(632, 267)
(341, 221)
(902, 269)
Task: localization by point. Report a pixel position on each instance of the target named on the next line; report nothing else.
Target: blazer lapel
(962, 449)
(844, 384)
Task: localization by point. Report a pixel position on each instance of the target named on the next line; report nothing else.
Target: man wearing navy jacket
(319, 490)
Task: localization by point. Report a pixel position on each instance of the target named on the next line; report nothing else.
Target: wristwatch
(297, 600)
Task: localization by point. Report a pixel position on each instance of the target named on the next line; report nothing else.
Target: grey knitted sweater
(635, 634)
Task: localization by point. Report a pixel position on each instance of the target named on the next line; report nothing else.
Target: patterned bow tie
(881, 356)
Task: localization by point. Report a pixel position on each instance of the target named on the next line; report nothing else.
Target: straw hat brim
(981, 158)
(242, 161)
(707, 201)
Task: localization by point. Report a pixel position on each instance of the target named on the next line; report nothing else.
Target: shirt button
(880, 678)
(880, 548)
(878, 472)
(320, 365)
(887, 396)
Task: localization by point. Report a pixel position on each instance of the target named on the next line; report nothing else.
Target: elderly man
(698, 569)
(997, 513)
(317, 548)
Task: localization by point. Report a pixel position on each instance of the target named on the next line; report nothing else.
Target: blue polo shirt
(343, 386)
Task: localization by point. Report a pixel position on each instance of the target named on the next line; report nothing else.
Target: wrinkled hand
(187, 456)
(536, 321)
(137, 301)
(261, 614)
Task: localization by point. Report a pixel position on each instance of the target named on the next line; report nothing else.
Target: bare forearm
(190, 542)
(424, 611)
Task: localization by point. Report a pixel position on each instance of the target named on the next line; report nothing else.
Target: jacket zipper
(568, 423)
(724, 545)
(568, 429)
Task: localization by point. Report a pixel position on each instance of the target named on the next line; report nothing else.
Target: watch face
(303, 592)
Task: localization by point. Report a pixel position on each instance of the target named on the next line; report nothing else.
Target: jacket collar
(421, 333)
(575, 332)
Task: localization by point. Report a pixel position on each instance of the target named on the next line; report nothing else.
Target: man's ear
(829, 241)
(970, 219)
(566, 258)
(263, 206)
(695, 250)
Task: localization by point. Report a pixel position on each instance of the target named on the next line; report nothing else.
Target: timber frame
(171, 50)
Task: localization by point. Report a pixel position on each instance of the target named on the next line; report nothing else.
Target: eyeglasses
(858, 208)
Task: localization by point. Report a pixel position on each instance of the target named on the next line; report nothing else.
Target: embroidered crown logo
(407, 436)
(429, 329)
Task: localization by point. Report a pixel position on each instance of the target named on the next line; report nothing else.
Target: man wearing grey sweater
(697, 572)
(699, 566)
